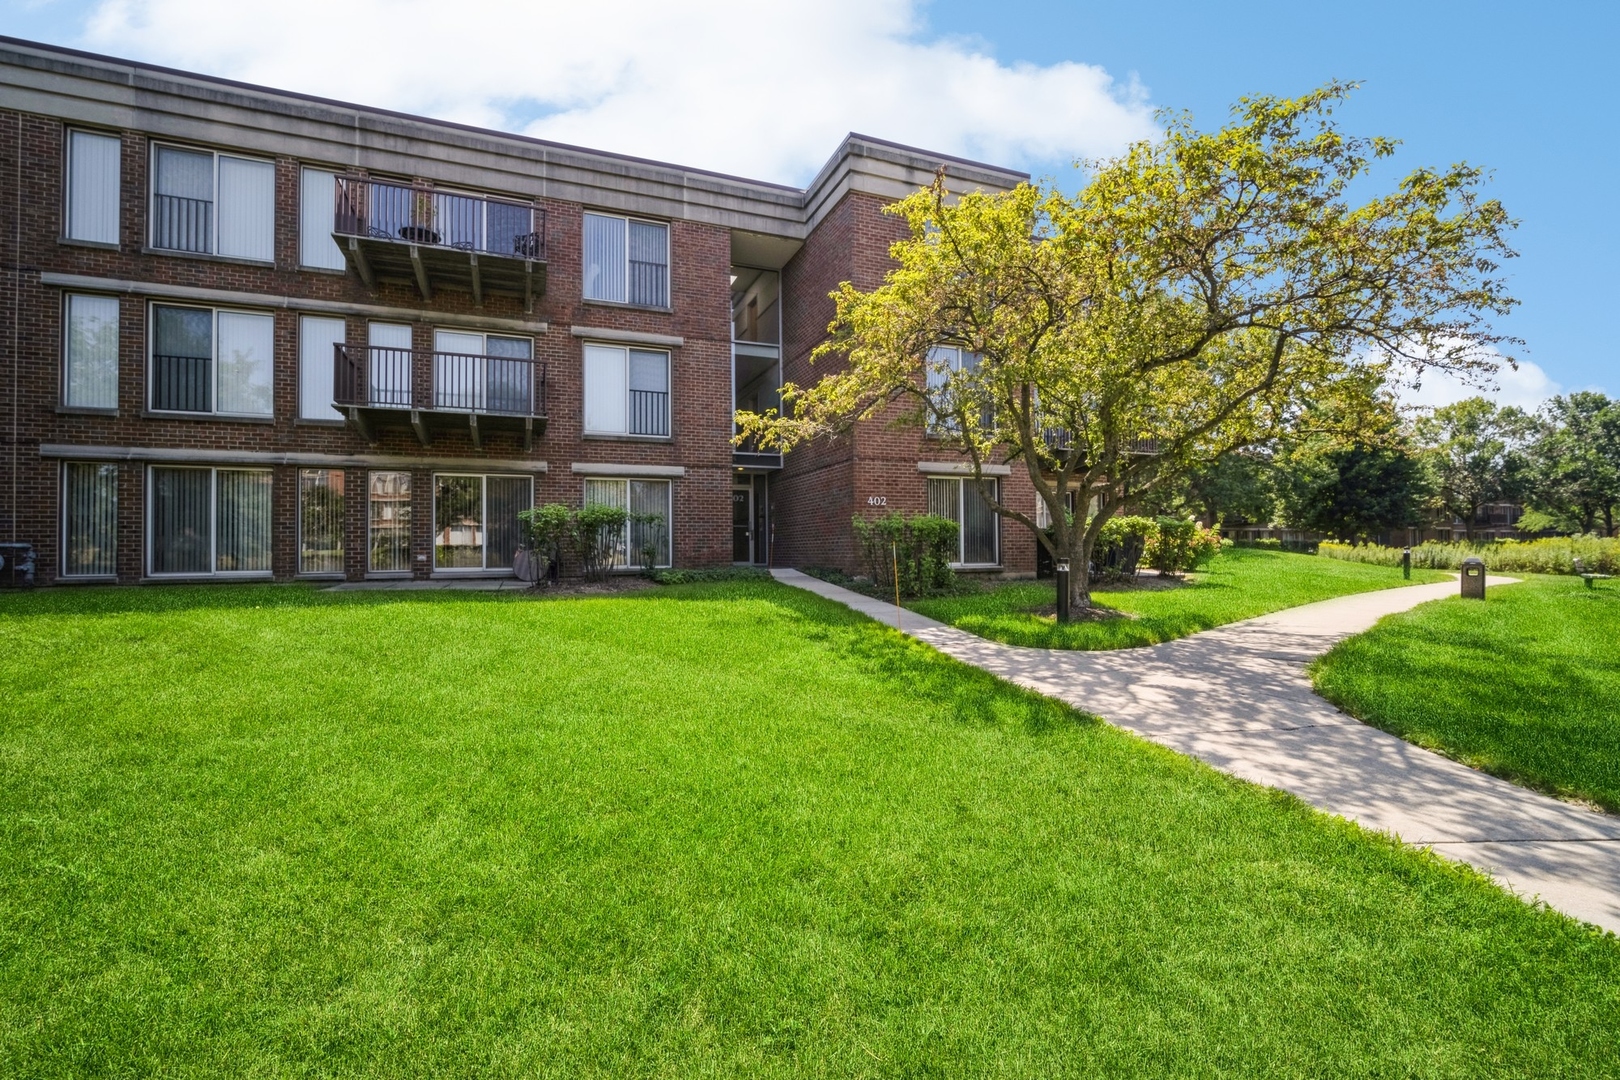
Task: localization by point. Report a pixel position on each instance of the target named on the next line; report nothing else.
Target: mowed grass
(1525, 685)
(715, 830)
(1240, 583)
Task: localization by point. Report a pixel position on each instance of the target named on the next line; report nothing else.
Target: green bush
(719, 573)
(596, 535)
(545, 530)
(1120, 547)
(922, 546)
(1551, 555)
(1181, 544)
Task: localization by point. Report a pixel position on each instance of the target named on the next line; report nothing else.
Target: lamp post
(1406, 564)
(1063, 591)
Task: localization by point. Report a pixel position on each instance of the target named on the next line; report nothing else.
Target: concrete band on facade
(726, 504)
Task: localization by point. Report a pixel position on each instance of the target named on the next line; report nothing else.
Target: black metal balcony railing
(418, 214)
(375, 377)
(649, 412)
(182, 383)
(180, 224)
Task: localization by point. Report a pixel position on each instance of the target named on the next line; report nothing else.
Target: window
(977, 531)
(318, 338)
(475, 520)
(92, 187)
(320, 521)
(626, 391)
(389, 380)
(388, 523)
(944, 362)
(648, 500)
(89, 519)
(626, 261)
(483, 372)
(213, 204)
(90, 353)
(209, 521)
(316, 200)
(211, 361)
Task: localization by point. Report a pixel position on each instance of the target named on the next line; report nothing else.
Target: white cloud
(762, 90)
(1526, 386)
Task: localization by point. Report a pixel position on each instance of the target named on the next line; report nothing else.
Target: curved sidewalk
(1238, 698)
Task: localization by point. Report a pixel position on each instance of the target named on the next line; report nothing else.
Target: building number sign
(877, 500)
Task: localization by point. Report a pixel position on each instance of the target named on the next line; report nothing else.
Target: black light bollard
(1473, 578)
(1406, 564)
(1063, 592)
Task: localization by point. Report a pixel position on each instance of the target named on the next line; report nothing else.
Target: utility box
(1473, 578)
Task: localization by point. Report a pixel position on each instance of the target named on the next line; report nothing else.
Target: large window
(483, 372)
(320, 521)
(213, 204)
(90, 352)
(626, 391)
(318, 337)
(475, 520)
(647, 532)
(211, 361)
(89, 519)
(316, 202)
(977, 531)
(92, 187)
(388, 523)
(209, 521)
(626, 261)
(945, 365)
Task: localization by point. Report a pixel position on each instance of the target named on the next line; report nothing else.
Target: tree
(1184, 304)
(1575, 462)
(1352, 493)
(1476, 454)
(1237, 486)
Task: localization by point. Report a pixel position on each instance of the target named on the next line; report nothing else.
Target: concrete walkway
(1238, 698)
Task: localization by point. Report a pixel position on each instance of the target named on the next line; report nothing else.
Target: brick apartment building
(257, 335)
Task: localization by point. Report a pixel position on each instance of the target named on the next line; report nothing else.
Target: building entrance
(750, 520)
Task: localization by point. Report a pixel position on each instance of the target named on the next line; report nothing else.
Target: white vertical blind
(89, 519)
(606, 389)
(93, 178)
(979, 526)
(92, 352)
(242, 521)
(604, 257)
(320, 521)
(316, 338)
(181, 521)
(649, 497)
(316, 200)
(247, 208)
(242, 363)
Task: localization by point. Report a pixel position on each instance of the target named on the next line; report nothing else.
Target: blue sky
(1519, 88)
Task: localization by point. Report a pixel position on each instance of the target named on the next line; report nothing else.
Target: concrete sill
(96, 245)
(594, 437)
(223, 418)
(83, 410)
(203, 256)
(622, 306)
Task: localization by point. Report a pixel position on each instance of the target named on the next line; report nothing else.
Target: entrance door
(742, 516)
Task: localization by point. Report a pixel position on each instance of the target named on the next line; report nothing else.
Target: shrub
(596, 535)
(545, 530)
(1551, 555)
(1120, 547)
(722, 573)
(1181, 544)
(922, 546)
(651, 536)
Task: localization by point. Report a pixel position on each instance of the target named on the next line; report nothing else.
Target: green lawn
(1240, 584)
(715, 830)
(1525, 685)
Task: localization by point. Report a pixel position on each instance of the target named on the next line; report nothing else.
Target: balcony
(378, 387)
(414, 234)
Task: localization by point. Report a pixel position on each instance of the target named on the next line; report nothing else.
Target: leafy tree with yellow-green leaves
(1197, 295)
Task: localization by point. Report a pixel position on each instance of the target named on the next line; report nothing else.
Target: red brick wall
(700, 384)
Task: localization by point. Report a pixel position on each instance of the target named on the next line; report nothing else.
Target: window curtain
(92, 352)
(390, 372)
(389, 522)
(93, 182)
(90, 520)
(979, 531)
(182, 521)
(606, 384)
(649, 264)
(943, 499)
(604, 258)
(246, 344)
(317, 341)
(650, 497)
(649, 393)
(242, 520)
(183, 200)
(458, 370)
(320, 521)
(317, 202)
(247, 208)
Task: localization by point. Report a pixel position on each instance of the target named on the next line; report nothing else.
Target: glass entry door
(742, 518)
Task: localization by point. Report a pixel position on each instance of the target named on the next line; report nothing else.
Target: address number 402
(877, 500)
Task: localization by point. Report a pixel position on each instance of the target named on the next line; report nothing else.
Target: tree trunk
(1079, 575)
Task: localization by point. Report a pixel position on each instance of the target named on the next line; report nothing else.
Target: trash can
(1473, 577)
